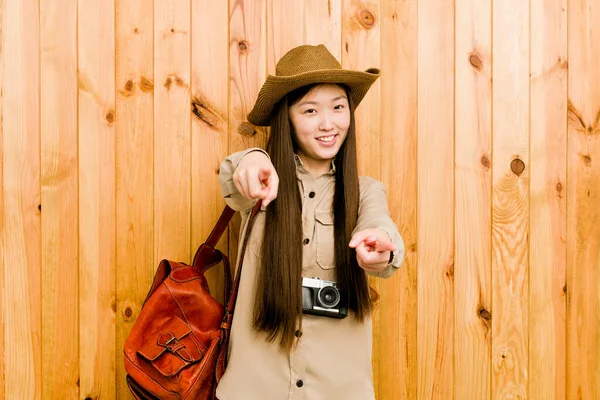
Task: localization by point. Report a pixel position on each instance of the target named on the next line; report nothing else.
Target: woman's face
(320, 122)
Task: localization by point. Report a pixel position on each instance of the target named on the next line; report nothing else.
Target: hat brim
(276, 87)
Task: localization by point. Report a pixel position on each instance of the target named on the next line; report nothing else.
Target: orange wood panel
(172, 130)
(397, 355)
(21, 285)
(473, 153)
(247, 72)
(547, 270)
(209, 124)
(97, 300)
(510, 213)
(435, 323)
(324, 24)
(60, 208)
(583, 199)
(134, 157)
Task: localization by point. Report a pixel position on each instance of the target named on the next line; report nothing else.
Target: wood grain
(96, 119)
(583, 193)
(21, 290)
(361, 30)
(435, 325)
(473, 132)
(247, 73)
(172, 130)
(210, 127)
(547, 256)
(59, 186)
(510, 213)
(397, 358)
(285, 29)
(134, 184)
(2, 244)
(324, 25)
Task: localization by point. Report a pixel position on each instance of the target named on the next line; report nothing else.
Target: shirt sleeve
(233, 198)
(373, 213)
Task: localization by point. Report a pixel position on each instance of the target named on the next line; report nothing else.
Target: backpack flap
(172, 347)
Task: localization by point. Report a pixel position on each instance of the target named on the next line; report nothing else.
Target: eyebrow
(315, 103)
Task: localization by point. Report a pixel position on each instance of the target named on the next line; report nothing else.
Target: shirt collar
(300, 166)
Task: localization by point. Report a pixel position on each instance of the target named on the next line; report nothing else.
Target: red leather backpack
(177, 348)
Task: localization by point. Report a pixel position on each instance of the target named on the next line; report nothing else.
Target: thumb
(264, 174)
(358, 238)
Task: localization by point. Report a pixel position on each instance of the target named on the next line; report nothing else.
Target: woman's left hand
(373, 247)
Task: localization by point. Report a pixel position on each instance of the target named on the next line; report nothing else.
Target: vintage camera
(322, 297)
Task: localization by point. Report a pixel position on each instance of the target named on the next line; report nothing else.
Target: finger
(358, 238)
(239, 185)
(255, 187)
(385, 245)
(264, 174)
(272, 193)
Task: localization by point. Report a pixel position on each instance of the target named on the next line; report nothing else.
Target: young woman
(302, 328)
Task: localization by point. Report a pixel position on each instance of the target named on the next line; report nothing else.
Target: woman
(301, 328)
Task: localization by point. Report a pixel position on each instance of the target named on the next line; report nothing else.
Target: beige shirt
(332, 358)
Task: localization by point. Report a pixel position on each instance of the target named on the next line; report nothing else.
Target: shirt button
(298, 333)
(311, 195)
(306, 241)
(299, 383)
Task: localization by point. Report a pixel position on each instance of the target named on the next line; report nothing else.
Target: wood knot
(110, 116)
(450, 271)
(517, 166)
(179, 82)
(395, 15)
(246, 129)
(39, 207)
(476, 61)
(587, 160)
(136, 30)
(203, 113)
(168, 82)
(366, 18)
(113, 305)
(484, 314)
(562, 63)
(146, 85)
(485, 161)
(172, 30)
(128, 312)
(565, 289)
(128, 88)
(413, 247)
(243, 46)
(559, 187)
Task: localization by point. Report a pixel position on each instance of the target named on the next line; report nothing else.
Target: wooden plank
(397, 358)
(285, 29)
(2, 244)
(435, 182)
(324, 24)
(96, 199)
(583, 192)
(547, 254)
(134, 40)
(361, 29)
(172, 130)
(59, 159)
(209, 123)
(247, 73)
(510, 213)
(21, 290)
(473, 174)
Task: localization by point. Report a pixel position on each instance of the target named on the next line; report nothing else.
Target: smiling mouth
(326, 138)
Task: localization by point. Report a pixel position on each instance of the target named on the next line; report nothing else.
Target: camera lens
(328, 296)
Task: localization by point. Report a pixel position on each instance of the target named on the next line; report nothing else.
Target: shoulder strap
(236, 283)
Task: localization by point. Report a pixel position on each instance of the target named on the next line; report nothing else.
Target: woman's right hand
(255, 178)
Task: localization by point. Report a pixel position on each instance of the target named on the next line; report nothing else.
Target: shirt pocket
(324, 239)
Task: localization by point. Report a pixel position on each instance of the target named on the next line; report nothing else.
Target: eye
(310, 111)
(339, 107)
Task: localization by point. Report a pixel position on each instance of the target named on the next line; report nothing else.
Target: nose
(326, 122)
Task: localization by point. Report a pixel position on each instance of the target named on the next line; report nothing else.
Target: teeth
(326, 138)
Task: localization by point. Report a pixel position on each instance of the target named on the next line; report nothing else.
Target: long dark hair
(278, 291)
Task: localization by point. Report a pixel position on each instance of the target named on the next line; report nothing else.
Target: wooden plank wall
(484, 127)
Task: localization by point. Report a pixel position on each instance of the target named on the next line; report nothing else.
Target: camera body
(323, 297)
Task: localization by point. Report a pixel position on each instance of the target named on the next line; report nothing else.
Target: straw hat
(306, 65)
